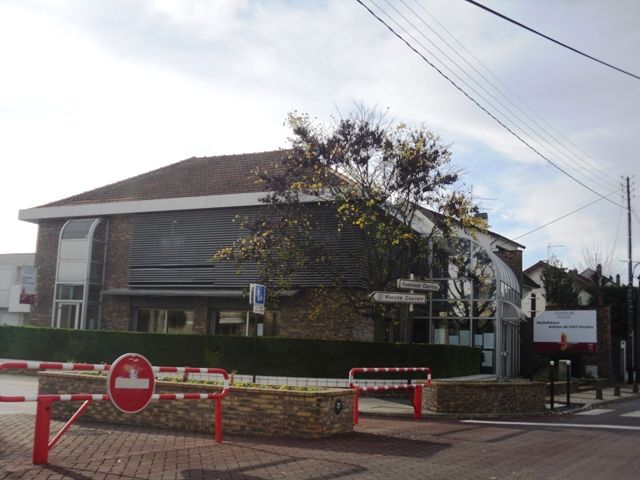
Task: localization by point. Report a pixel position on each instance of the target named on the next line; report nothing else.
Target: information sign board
(561, 330)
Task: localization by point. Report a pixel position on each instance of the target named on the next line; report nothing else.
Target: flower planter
(251, 411)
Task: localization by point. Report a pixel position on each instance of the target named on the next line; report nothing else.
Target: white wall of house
(11, 311)
(541, 303)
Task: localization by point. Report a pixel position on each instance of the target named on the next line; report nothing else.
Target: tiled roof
(194, 177)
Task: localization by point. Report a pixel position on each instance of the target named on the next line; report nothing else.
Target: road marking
(567, 425)
(596, 411)
(631, 414)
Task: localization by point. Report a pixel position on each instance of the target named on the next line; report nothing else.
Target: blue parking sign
(257, 297)
(260, 294)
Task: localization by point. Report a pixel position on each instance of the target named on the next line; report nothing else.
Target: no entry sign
(130, 383)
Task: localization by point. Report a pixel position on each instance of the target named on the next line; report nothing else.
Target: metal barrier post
(568, 383)
(417, 402)
(415, 399)
(356, 397)
(218, 426)
(551, 386)
(41, 434)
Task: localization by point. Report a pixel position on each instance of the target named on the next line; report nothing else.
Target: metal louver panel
(174, 249)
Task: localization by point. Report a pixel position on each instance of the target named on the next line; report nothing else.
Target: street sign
(130, 382)
(257, 297)
(398, 297)
(417, 285)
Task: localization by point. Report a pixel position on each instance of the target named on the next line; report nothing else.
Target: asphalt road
(18, 385)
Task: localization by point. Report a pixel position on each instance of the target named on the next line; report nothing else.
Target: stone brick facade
(251, 411)
(513, 259)
(312, 314)
(116, 310)
(485, 397)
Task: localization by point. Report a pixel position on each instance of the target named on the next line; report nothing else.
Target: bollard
(568, 380)
(635, 380)
(598, 393)
(616, 391)
(551, 386)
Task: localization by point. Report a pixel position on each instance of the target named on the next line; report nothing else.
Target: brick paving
(384, 448)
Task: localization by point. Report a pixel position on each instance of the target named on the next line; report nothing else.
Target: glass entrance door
(68, 315)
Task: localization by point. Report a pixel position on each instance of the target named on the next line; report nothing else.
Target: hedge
(246, 355)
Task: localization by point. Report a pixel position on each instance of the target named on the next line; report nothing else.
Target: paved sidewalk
(580, 401)
(379, 448)
(586, 399)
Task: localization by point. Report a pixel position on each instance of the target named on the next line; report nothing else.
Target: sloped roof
(194, 177)
(579, 279)
(528, 282)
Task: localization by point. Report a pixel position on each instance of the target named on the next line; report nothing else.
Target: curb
(576, 408)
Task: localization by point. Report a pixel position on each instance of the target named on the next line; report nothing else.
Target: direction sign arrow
(417, 285)
(398, 297)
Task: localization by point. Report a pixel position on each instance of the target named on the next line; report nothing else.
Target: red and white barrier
(42, 445)
(416, 399)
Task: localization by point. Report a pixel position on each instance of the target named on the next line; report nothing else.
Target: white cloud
(93, 92)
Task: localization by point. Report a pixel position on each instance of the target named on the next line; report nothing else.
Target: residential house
(12, 310)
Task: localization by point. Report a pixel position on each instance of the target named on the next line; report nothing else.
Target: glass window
(451, 331)
(69, 292)
(92, 316)
(180, 321)
(150, 320)
(77, 229)
(72, 271)
(70, 250)
(234, 322)
(160, 320)
(67, 314)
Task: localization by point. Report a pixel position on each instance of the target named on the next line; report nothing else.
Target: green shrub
(275, 356)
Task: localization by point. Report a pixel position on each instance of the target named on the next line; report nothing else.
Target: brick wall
(251, 411)
(485, 397)
(116, 310)
(513, 259)
(322, 314)
(45, 262)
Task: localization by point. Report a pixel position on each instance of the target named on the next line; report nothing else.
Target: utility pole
(630, 330)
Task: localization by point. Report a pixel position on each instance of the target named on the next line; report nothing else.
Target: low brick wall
(252, 411)
(485, 397)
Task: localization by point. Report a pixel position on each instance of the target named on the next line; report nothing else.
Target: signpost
(130, 383)
(409, 284)
(398, 297)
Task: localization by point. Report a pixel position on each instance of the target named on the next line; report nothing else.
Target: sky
(96, 92)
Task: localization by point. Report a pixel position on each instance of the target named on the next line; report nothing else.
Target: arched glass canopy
(477, 304)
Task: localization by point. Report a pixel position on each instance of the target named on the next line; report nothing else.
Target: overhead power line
(521, 25)
(587, 163)
(564, 216)
(537, 133)
(477, 103)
